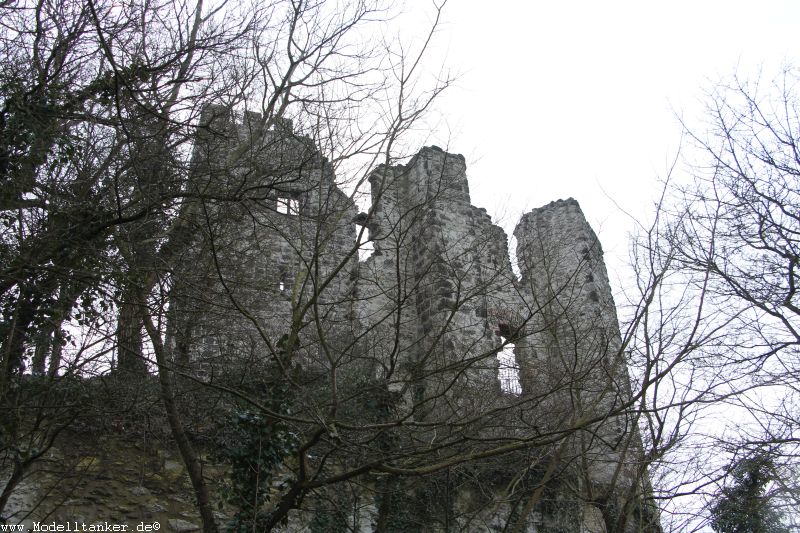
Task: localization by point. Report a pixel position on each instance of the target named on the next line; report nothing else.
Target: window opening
(286, 205)
(508, 369)
(366, 247)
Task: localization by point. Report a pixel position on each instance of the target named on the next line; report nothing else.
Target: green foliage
(331, 515)
(745, 507)
(403, 507)
(256, 445)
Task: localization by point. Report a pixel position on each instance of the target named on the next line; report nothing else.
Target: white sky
(579, 98)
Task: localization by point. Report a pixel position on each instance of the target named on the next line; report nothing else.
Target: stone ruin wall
(448, 265)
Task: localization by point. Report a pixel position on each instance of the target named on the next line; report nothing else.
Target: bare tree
(99, 109)
(718, 267)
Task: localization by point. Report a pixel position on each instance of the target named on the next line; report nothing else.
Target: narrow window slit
(508, 371)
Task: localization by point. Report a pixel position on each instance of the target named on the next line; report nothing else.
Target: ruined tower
(447, 394)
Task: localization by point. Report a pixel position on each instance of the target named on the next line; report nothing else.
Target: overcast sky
(560, 99)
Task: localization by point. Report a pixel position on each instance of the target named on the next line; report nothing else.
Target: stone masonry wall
(421, 321)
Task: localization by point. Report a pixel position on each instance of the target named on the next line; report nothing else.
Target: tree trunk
(194, 466)
(130, 358)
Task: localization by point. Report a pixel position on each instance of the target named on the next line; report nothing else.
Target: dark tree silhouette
(746, 506)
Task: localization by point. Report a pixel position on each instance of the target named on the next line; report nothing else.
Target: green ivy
(255, 446)
(745, 505)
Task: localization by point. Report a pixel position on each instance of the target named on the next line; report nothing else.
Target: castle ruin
(444, 392)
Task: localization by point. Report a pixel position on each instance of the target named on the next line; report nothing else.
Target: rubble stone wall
(422, 319)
